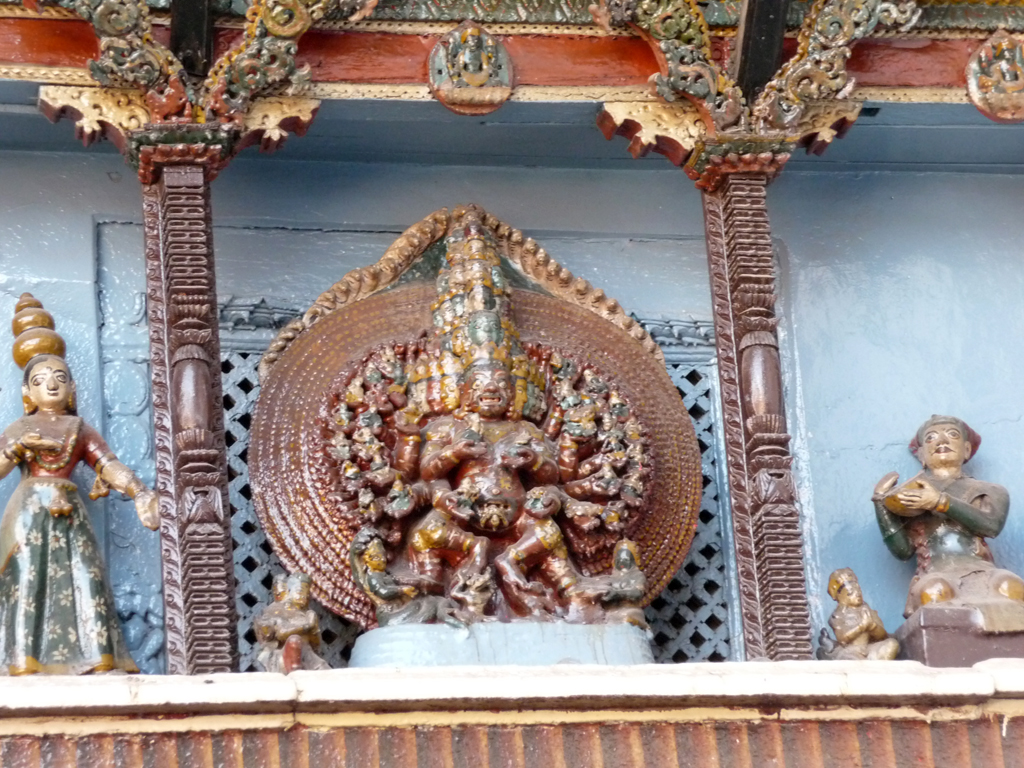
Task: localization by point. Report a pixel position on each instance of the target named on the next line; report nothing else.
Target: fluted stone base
(494, 643)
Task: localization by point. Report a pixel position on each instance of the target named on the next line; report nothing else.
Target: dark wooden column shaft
(195, 535)
(766, 524)
(759, 41)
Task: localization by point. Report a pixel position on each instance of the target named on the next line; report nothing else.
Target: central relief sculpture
(467, 472)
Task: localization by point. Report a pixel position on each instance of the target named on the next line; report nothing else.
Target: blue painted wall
(902, 297)
(900, 293)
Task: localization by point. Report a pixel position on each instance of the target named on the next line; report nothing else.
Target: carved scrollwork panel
(818, 70)
(131, 57)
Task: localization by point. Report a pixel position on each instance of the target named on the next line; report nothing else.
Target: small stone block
(953, 636)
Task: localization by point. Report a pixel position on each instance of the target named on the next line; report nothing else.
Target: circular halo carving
(319, 360)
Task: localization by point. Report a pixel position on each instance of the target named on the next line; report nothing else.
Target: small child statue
(288, 632)
(860, 634)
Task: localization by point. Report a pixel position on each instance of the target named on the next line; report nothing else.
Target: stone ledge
(573, 687)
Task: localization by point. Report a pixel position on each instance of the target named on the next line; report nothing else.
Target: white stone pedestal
(497, 644)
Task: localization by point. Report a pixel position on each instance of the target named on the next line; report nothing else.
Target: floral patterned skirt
(56, 611)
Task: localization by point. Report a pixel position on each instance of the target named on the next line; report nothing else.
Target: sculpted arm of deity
(408, 443)
(445, 450)
(534, 454)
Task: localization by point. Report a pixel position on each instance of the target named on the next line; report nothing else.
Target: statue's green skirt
(56, 611)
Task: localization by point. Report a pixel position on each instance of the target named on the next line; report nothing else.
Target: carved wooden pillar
(766, 524)
(195, 531)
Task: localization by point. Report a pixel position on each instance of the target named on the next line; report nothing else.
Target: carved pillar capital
(766, 523)
(712, 161)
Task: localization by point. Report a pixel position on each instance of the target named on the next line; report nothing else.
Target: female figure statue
(56, 611)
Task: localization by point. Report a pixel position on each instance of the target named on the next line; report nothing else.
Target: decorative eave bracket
(805, 105)
(122, 116)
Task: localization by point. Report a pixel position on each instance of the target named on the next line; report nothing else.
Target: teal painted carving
(818, 70)
(470, 71)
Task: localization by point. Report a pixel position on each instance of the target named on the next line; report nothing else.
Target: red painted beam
(47, 42)
(364, 57)
(556, 60)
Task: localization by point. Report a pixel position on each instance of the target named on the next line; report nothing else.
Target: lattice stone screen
(690, 619)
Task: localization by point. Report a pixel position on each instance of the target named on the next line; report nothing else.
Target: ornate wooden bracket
(263, 61)
(122, 116)
(818, 70)
(766, 523)
(805, 105)
(195, 530)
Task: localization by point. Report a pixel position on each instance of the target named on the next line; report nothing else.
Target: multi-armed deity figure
(944, 516)
(56, 610)
(492, 478)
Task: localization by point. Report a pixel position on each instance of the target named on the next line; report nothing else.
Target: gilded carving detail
(818, 70)
(265, 57)
(995, 78)
(522, 251)
(678, 32)
(807, 103)
(669, 129)
(131, 57)
(270, 119)
(95, 110)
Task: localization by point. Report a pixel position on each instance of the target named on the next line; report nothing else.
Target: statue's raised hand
(148, 509)
(920, 495)
(519, 456)
(468, 449)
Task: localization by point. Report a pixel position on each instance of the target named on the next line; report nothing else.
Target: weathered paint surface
(900, 293)
(69, 234)
(803, 743)
(901, 298)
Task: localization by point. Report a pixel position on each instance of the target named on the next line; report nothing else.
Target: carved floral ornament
(358, 396)
(995, 78)
(261, 63)
(806, 104)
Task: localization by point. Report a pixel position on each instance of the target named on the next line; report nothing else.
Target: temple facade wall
(899, 298)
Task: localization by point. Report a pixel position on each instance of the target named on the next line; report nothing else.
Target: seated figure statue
(288, 632)
(860, 634)
(943, 516)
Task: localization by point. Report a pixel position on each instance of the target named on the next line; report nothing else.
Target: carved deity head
(298, 587)
(48, 386)
(487, 390)
(945, 442)
(625, 557)
(844, 588)
(374, 558)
